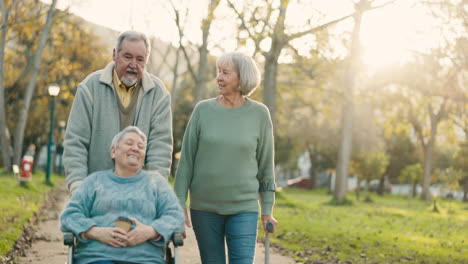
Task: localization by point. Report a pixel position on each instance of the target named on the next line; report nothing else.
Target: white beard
(129, 81)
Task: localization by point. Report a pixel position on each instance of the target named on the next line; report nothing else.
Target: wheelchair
(171, 251)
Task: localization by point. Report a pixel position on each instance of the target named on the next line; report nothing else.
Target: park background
(364, 95)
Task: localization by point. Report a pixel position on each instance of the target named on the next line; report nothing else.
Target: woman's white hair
(246, 69)
(130, 129)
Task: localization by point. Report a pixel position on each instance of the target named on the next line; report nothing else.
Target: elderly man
(125, 192)
(107, 101)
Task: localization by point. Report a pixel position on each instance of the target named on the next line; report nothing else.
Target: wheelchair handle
(177, 239)
(68, 239)
(269, 227)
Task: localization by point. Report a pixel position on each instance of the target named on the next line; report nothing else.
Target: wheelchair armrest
(68, 239)
(177, 239)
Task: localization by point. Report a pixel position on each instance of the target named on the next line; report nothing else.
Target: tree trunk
(367, 192)
(24, 109)
(313, 177)
(414, 192)
(199, 75)
(381, 189)
(426, 195)
(465, 190)
(278, 41)
(5, 147)
(429, 150)
(313, 171)
(174, 79)
(344, 153)
(269, 86)
(200, 86)
(162, 59)
(37, 157)
(358, 189)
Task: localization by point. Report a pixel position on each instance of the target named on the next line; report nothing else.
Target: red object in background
(300, 182)
(26, 168)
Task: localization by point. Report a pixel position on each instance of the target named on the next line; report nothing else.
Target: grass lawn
(18, 204)
(392, 229)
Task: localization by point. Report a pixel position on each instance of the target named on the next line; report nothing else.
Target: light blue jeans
(238, 230)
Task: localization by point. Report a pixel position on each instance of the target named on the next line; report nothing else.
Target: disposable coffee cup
(124, 223)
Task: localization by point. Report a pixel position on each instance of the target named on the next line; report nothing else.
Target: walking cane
(269, 228)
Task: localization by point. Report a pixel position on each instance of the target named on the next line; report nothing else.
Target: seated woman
(127, 191)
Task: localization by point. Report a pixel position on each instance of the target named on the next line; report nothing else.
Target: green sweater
(227, 159)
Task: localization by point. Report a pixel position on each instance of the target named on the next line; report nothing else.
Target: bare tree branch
(363, 8)
(241, 17)
(164, 59)
(180, 29)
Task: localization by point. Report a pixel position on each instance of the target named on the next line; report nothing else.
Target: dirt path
(48, 248)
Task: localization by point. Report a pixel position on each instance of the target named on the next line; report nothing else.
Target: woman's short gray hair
(246, 69)
(117, 138)
(133, 35)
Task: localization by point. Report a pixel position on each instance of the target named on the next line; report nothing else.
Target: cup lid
(123, 218)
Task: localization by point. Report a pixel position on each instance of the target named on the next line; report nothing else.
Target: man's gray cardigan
(94, 121)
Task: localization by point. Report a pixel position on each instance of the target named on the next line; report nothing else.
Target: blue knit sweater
(103, 197)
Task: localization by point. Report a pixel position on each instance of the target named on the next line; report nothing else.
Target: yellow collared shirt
(124, 93)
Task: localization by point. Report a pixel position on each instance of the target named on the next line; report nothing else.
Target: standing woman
(227, 163)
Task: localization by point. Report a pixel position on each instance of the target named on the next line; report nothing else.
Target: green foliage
(444, 156)
(18, 205)
(182, 110)
(287, 151)
(388, 231)
(402, 152)
(370, 166)
(451, 178)
(460, 165)
(71, 53)
(344, 202)
(460, 160)
(306, 114)
(411, 173)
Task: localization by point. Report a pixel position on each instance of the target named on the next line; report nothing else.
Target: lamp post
(59, 150)
(54, 90)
